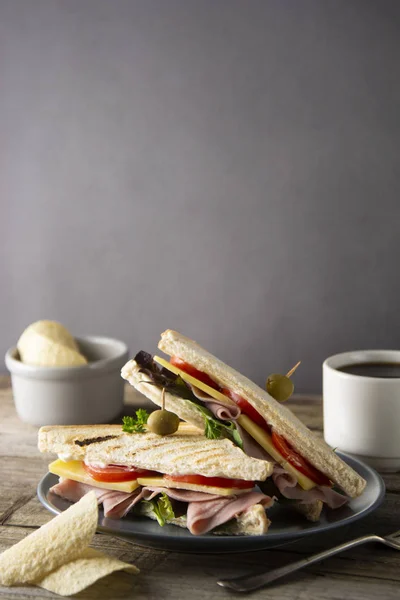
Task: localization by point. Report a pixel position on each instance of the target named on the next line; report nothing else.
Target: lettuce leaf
(161, 507)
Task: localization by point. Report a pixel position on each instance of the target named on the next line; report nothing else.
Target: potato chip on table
(57, 557)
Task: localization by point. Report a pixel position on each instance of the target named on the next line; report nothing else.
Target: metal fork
(246, 583)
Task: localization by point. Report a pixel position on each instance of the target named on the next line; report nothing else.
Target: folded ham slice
(288, 487)
(181, 495)
(204, 511)
(218, 409)
(205, 516)
(115, 504)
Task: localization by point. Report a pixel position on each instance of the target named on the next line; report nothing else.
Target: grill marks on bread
(96, 440)
(180, 455)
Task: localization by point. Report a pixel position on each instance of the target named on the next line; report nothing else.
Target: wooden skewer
(163, 398)
(292, 370)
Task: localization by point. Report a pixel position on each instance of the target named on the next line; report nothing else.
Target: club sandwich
(222, 403)
(185, 479)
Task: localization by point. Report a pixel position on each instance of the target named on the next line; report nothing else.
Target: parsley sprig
(135, 424)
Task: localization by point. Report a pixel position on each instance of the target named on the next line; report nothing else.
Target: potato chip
(50, 329)
(42, 352)
(59, 541)
(56, 557)
(82, 572)
(49, 344)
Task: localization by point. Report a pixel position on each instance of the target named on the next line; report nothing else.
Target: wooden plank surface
(363, 573)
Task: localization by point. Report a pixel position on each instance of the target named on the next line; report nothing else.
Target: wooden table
(369, 572)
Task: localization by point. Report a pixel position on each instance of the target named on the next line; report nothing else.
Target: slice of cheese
(182, 485)
(256, 432)
(193, 381)
(265, 441)
(73, 469)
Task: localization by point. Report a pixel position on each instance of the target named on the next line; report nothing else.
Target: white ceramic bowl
(362, 414)
(91, 393)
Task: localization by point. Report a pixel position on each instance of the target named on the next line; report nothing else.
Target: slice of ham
(288, 487)
(182, 495)
(205, 516)
(218, 409)
(116, 507)
(73, 490)
(115, 504)
(204, 511)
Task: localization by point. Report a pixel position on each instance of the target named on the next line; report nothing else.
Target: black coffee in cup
(384, 370)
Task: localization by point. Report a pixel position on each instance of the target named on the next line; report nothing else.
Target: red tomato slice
(298, 461)
(246, 408)
(215, 481)
(114, 473)
(184, 366)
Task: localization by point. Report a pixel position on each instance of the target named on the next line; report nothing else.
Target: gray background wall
(225, 168)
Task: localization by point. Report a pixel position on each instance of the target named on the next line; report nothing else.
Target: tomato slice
(247, 408)
(300, 463)
(184, 366)
(114, 473)
(215, 481)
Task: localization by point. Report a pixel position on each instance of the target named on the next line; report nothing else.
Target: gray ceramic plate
(286, 525)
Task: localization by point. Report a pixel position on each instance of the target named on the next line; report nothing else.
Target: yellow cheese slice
(193, 381)
(182, 485)
(265, 441)
(256, 432)
(73, 469)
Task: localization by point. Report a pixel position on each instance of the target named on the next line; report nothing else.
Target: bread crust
(253, 521)
(312, 448)
(183, 408)
(311, 511)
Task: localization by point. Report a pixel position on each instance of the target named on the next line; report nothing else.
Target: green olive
(163, 422)
(279, 387)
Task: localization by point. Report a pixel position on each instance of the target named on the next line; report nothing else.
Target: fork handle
(245, 583)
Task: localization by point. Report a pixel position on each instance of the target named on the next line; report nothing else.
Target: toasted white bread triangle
(312, 448)
(182, 453)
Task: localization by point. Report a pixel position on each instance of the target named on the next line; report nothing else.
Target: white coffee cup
(362, 413)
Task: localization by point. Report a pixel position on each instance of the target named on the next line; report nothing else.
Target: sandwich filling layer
(169, 499)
